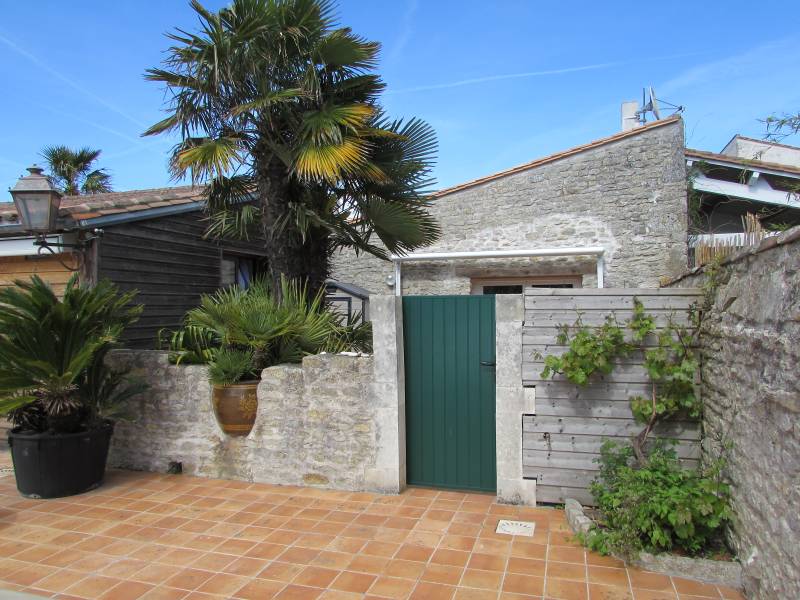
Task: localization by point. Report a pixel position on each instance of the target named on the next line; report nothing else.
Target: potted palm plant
(55, 385)
(239, 332)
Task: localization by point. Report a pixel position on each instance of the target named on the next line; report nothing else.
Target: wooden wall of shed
(167, 260)
(562, 439)
(52, 269)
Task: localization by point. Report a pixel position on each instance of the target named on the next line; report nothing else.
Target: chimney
(630, 120)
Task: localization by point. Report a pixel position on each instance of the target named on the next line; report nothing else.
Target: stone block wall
(751, 393)
(628, 196)
(335, 421)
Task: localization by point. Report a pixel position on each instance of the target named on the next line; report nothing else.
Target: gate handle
(486, 363)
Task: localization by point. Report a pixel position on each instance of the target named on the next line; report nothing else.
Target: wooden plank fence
(562, 439)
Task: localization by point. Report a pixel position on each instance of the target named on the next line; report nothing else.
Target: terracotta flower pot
(235, 407)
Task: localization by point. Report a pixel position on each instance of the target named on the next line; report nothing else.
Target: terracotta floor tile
(446, 574)
(249, 567)
(340, 595)
(650, 581)
(223, 584)
(695, 588)
(36, 553)
(593, 558)
(300, 556)
(180, 557)
(392, 587)
(454, 558)
(123, 568)
(489, 546)
(563, 570)
(127, 590)
(487, 562)
(189, 579)
(528, 550)
(165, 593)
(383, 549)
(523, 584)
(93, 586)
(607, 592)
(566, 554)
(260, 589)
(348, 581)
(28, 574)
(316, 577)
(608, 576)
(155, 573)
(473, 594)
(346, 544)
(404, 568)
(266, 550)
(423, 538)
(432, 591)
(414, 552)
(639, 594)
(564, 589)
(296, 592)
(489, 580)
(213, 561)
(368, 564)
(458, 542)
(333, 560)
(730, 593)
(526, 566)
(280, 571)
(59, 580)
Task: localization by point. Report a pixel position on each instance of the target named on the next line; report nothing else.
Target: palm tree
(278, 112)
(71, 170)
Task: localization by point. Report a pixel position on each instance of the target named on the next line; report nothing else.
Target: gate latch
(486, 363)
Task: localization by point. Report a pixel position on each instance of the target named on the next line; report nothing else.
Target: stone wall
(751, 392)
(335, 421)
(628, 195)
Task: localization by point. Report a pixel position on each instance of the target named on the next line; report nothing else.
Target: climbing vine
(671, 364)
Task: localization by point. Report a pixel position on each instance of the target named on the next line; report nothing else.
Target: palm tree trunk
(288, 254)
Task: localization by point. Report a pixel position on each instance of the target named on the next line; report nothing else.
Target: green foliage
(71, 170)
(239, 332)
(106, 391)
(656, 506)
(49, 349)
(590, 351)
(229, 366)
(277, 109)
(593, 350)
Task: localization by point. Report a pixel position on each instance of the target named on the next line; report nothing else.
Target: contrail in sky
(524, 75)
(21, 51)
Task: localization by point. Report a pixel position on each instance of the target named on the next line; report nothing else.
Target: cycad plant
(239, 332)
(52, 369)
(278, 112)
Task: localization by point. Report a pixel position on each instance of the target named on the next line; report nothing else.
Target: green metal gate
(450, 391)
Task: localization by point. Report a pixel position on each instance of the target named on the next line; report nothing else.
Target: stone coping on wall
(787, 237)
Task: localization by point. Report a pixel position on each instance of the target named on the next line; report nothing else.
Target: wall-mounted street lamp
(37, 202)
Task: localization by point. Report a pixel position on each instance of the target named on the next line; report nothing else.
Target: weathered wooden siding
(562, 440)
(167, 260)
(47, 266)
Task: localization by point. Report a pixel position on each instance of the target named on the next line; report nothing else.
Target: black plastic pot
(64, 464)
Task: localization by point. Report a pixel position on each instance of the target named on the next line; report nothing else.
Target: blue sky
(502, 82)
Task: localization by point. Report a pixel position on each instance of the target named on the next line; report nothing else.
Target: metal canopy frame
(398, 260)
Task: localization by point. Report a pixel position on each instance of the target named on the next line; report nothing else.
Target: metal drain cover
(524, 528)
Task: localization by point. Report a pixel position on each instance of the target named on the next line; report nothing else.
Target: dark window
(237, 270)
(517, 289)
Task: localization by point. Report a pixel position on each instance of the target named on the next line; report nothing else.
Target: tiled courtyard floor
(169, 537)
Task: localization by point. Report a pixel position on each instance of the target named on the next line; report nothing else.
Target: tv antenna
(653, 106)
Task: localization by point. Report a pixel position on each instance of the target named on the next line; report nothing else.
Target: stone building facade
(751, 398)
(626, 193)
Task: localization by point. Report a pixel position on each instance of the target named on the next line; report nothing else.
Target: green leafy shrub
(656, 506)
(53, 374)
(239, 332)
